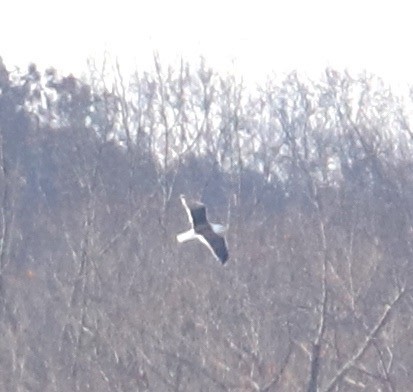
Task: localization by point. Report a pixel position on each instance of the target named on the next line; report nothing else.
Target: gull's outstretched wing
(196, 212)
(215, 243)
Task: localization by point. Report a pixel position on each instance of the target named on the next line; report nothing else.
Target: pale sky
(252, 37)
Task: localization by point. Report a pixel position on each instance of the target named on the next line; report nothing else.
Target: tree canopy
(313, 178)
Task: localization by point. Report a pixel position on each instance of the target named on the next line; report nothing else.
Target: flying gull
(207, 233)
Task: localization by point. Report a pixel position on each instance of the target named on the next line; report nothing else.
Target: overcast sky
(251, 37)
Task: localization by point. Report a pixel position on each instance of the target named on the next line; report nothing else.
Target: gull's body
(207, 233)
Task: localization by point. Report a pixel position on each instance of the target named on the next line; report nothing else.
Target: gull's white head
(218, 229)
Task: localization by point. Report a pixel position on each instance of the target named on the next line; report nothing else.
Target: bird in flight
(207, 233)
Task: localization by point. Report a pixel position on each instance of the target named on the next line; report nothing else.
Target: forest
(313, 178)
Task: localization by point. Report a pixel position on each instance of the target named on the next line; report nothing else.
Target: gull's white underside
(191, 235)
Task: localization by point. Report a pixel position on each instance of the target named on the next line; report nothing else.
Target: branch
(270, 385)
(364, 346)
(198, 368)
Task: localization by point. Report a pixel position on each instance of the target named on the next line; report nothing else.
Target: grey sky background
(250, 38)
